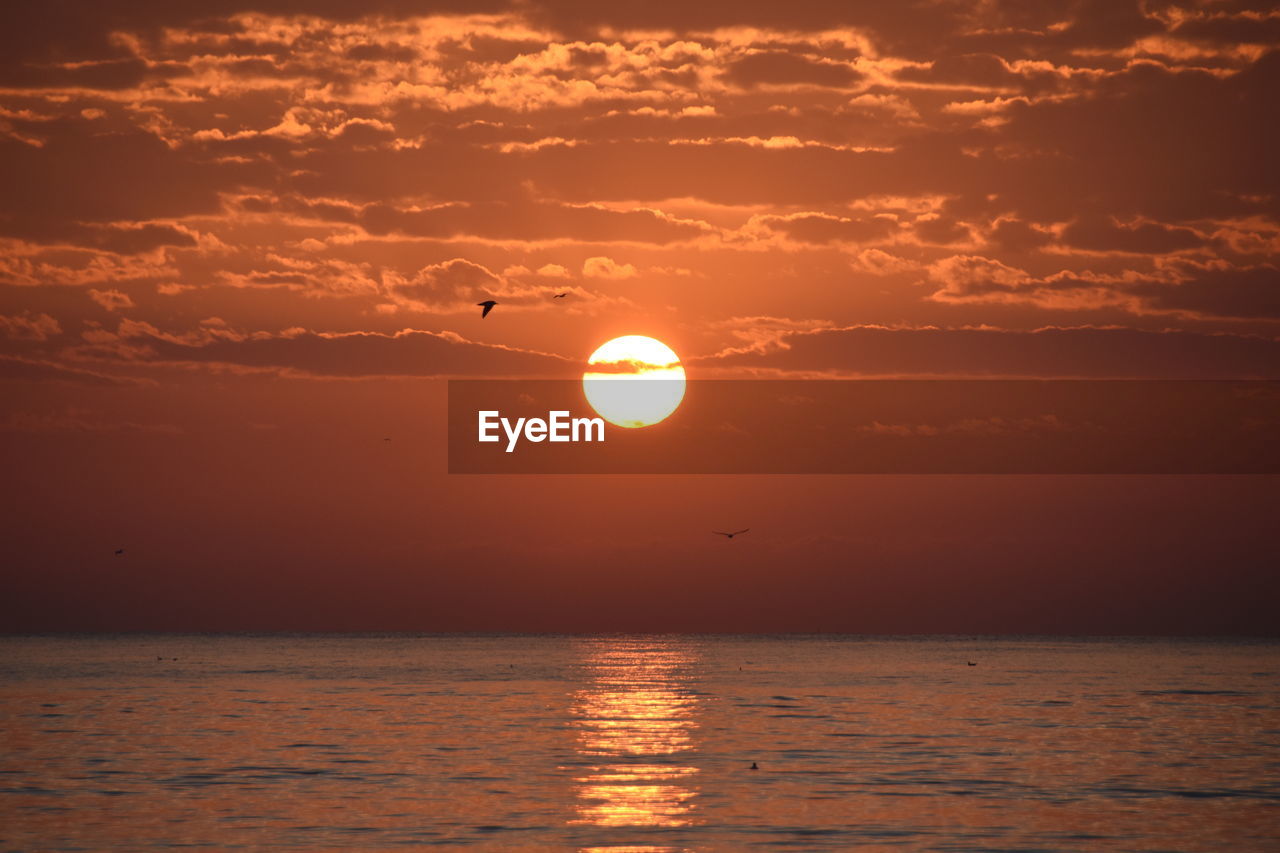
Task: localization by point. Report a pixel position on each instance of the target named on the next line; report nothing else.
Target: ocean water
(638, 743)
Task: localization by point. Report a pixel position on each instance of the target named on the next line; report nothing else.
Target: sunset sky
(241, 244)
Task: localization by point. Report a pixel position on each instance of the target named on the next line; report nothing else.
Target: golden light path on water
(635, 720)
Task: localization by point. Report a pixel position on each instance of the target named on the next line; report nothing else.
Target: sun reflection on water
(636, 722)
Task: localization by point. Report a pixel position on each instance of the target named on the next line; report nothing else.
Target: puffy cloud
(608, 268)
(1014, 235)
(112, 300)
(964, 276)
(452, 279)
(29, 327)
(1015, 158)
(877, 262)
(763, 333)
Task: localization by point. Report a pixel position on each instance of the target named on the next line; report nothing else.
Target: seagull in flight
(560, 295)
(733, 534)
(119, 552)
(488, 306)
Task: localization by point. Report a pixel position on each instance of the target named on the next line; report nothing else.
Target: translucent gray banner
(866, 427)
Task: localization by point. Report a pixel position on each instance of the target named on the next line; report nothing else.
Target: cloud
(530, 222)
(106, 74)
(940, 230)
(119, 238)
(42, 370)
(965, 276)
(1101, 234)
(29, 327)
(1048, 352)
(607, 268)
(764, 333)
(821, 228)
(1015, 235)
(1229, 29)
(977, 70)
(779, 68)
(1214, 289)
(453, 279)
(112, 300)
(340, 169)
(121, 176)
(314, 277)
(969, 426)
(877, 262)
(409, 352)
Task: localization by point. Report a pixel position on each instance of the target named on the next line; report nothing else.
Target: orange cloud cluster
(368, 175)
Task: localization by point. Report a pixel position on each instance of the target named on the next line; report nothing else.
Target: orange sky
(241, 243)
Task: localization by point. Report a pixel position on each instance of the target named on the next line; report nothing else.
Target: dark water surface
(638, 743)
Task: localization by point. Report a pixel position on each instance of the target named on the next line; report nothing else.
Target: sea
(638, 743)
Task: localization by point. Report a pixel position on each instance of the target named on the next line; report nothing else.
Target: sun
(616, 397)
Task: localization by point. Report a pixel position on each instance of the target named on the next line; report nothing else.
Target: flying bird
(119, 552)
(733, 534)
(488, 306)
(560, 295)
(971, 663)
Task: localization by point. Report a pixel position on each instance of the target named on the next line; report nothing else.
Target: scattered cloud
(29, 327)
(112, 300)
(607, 268)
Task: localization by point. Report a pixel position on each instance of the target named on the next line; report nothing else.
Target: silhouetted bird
(971, 663)
(733, 534)
(753, 766)
(119, 552)
(560, 296)
(488, 306)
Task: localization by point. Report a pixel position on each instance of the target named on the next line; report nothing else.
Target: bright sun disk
(616, 397)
